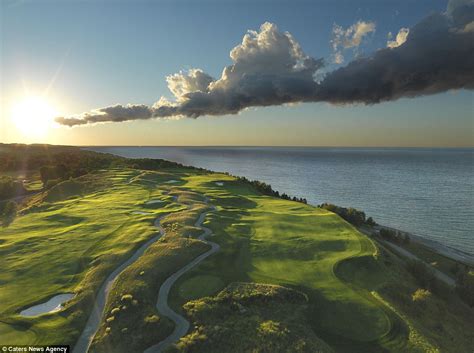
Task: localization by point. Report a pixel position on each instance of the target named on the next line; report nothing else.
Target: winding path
(92, 325)
(181, 324)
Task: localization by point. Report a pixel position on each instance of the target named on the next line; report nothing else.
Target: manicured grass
(357, 297)
(270, 240)
(69, 244)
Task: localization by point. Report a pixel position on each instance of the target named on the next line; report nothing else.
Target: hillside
(283, 277)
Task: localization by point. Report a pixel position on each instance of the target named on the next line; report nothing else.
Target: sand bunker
(52, 305)
(151, 202)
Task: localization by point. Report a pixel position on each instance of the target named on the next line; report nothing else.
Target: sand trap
(151, 202)
(219, 183)
(172, 181)
(52, 305)
(142, 213)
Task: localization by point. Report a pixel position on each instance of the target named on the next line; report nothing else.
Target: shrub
(420, 295)
(151, 319)
(10, 187)
(8, 212)
(126, 297)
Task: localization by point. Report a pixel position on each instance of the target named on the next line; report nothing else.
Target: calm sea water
(428, 192)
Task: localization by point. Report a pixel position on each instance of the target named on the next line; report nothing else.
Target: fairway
(73, 236)
(69, 243)
(269, 240)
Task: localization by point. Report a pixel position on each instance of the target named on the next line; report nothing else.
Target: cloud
(399, 39)
(115, 113)
(183, 83)
(438, 55)
(349, 38)
(269, 68)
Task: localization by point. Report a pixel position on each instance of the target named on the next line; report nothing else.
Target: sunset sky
(65, 58)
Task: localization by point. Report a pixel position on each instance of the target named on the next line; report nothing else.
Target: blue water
(428, 192)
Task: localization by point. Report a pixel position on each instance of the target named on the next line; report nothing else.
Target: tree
(8, 213)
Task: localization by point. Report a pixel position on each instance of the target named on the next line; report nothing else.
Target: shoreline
(435, 246)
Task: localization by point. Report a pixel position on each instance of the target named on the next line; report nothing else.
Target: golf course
(159, 257)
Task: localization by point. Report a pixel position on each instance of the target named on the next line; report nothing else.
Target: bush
(350, 214)
(421, 295)
(151, 319)
(10, 187)
(8, 212)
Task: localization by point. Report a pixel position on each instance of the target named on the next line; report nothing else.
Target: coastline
(433, 245)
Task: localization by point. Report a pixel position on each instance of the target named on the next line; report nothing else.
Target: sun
(33, 116)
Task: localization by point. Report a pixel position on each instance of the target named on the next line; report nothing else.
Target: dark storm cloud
(270, 68)
(438, 55)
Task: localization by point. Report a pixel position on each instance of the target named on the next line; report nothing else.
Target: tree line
(266, 189)
(350, 214)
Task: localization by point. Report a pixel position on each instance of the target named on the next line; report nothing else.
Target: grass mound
(132, 323)
(249, 317)
(64, 190)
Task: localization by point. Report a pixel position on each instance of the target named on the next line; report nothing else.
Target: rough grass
(358, 298)
(132, 323)
(249, 317)
(276, 241)
(270, 240)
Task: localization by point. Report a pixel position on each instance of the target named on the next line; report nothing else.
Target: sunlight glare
(33, 116)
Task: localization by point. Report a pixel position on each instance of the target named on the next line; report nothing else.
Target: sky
(78, 56)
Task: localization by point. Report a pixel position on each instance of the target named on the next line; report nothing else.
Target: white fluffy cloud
(399, 39)
(183, 83)
(350, 37)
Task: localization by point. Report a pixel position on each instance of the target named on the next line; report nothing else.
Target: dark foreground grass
(249, 317)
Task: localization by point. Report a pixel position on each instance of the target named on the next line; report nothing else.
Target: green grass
(248, 317)
(69, 240)
(134, 325)
(200, 286)
(270, 240)
(69, 245)
(438, 261)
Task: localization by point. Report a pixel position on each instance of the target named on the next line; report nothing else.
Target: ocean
(427, 192)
